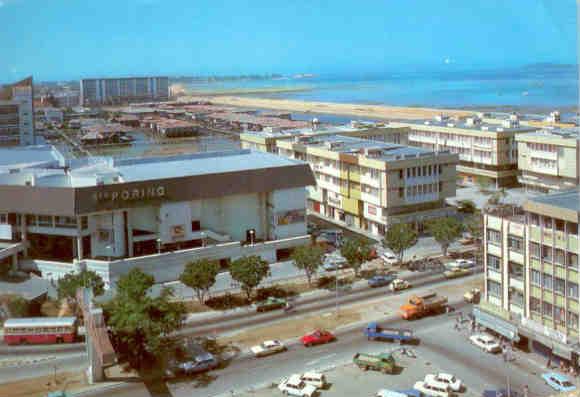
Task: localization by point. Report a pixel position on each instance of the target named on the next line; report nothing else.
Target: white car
(389, 259)
(334, 261)
(485, 342)
(432, 389)
(460, 264)
(268, 347)
(315, 379)
(295, 386)
(443, 379)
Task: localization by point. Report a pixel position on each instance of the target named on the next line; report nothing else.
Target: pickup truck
(383, 362)
(420, 306)
(374, 332)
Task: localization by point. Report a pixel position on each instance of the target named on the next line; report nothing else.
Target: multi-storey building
(17, 114)
(532, 274)
(111, 91)
(487, 151)
(548, 159)
(370, 185)
(266, 140)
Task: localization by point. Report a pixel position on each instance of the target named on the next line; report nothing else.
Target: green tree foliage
(445, 231)
(356, 251)
(308, 258)
(249, 271)
(399, 238)
(68, 285)
(200, 275)
(141, 324)
(466, 206)
(474, 225)
(18, 306)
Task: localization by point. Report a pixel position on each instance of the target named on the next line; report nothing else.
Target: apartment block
(548, 160)
(370, 185)
(532, 274)
(487, 152)
(112, 91)
(17, 114)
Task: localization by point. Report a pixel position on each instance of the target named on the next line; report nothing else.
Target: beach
(383, 112)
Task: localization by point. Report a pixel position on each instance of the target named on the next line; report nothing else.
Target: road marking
(313, 362)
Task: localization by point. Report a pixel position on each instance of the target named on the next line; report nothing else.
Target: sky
(72, 39)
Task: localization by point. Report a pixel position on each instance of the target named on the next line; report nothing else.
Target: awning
(496, 324)
(557, 348)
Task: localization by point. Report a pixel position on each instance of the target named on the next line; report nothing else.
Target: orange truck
(423, 305)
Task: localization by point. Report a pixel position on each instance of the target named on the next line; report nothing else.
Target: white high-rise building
(112, 91)
(17, 114)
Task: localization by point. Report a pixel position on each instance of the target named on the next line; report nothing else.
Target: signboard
(544, 330)
(178, 231)
(500, 326)
(372, 210)
(292, 216)
(131, 194)
(5, 232)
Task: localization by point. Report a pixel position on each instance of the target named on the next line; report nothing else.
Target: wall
(113, 225)
(175, 221)
(233, 215)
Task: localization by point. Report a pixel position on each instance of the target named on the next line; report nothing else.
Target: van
(315, 379)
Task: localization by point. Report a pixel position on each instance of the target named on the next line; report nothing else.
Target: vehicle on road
(558, 382)
(315, 379)
(380, 280)
(389, 259)
(420, 306)
(294, 386)
(40, 330)
(333, 262)
(443, 379)
(456, 273)
(399, 285)
(374, 332)
(332, 236)
(271, 303)
(432, 389)
(460, 264)
(188, 359)
(389, 393)
(384, 362)
(501, 393)
(472, 296)
(268, 347)
(485, 342)
(317, 337)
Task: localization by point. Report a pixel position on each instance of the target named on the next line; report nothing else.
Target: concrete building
(111, 215)
(370, 185)
(265, 141)
(111, 91)
(532, 275)
(49, 115)
(487, 151)
(548, 160)
(17, 114)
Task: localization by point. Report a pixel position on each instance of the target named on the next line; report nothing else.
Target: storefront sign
(334, 201)
(131, 194)
(500, 326)
(372, 210)
(293, 216)
(543, 330)
(178, 231)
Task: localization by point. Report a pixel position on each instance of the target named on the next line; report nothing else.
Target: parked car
(384, 362)
(558, 382)
(389, 259)
(389, 393)
(501, 393)
(472, 296)
(295, 386)
(334, 262)
(456, 273)
(317, 337)
(271, 303)
(485, 342)
(399, 285)
(461, 264)
(315, 379)
(432, 390)
(268, 347)
(190, 359)
(444, 379)
(380, 280)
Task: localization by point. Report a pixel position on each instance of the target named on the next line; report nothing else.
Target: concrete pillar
(79, 240)
(129, 227)
(14, 263)
(24, 233)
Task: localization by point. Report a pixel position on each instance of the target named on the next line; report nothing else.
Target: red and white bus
(39, 330)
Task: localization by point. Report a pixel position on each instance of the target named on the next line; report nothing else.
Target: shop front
(496, 324)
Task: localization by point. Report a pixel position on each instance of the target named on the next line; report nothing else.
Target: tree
(474, 226)
(445, 231)
(68, 285)
(399, 238)
(356, 251)
(18, 306)
(466, 206)
(141, 324)
(249, 271)
(200, 275)
(308, 258)
(482, 182)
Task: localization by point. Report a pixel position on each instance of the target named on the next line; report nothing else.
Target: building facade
(548, 160)
(17, 114)
(487, 152)
(532, 275)
(111, 215)
(370, 185)
(111, 91)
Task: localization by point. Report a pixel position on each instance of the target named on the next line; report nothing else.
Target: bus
(40, 330)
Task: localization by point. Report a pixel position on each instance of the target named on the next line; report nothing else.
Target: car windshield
(567, 384)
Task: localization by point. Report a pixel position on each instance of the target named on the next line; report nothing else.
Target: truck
(383, 362)
(374, 332)
(420, 306)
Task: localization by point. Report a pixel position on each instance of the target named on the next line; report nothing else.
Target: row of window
(558, 314)
(419, 190)
(39, 331)
(552, 223)
(45, 220)
(542, 147)
(558, 285)
(553, 255)
(426, 170)
(543, 163)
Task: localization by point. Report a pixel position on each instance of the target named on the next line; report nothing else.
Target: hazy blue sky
(59, 39)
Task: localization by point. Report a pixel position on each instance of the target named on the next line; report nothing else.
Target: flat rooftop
(569, 199)
(18, 157)
(555, 133)
(464, 125)
(322, 130)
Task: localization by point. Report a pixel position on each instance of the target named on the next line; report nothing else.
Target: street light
(159, 243)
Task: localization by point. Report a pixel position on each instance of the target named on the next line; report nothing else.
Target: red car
(317, 337)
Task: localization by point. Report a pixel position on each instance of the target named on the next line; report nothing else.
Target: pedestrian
(526, 391)
(549, 363)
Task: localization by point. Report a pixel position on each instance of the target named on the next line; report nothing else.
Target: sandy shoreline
(343, 109)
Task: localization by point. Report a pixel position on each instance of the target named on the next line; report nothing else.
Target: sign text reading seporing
(131, 194)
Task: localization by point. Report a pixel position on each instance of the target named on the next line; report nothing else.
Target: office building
(532, 274)
(112, 215)
(548, 160)
(17, 114)
(370, 185)
(487, 151)
(113, 91)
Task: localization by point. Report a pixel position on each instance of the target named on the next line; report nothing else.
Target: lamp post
(336, 290)
(202, 239)
(159, 243)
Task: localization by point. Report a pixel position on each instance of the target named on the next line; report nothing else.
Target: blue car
(501, 393)
(558, 382)
(381, 280)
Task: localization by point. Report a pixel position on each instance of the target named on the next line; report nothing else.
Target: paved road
(63, 363)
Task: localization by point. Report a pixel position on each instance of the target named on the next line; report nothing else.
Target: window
(559, 286)
(493, 262)
(493, 236)
(493, 288)
(515, 243)
(559, 225)
(572, 320)
(559, 315)
(516, 270)
(535, 305)
(546, 253)
(44, 220)
(572, 260)
(536, 277)
(534, 219)
(516, 297)
(547, 222)
(547, 281)
(572, 290)
(572, 228)
(535, 250)
(559, 257)
(547, 309)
